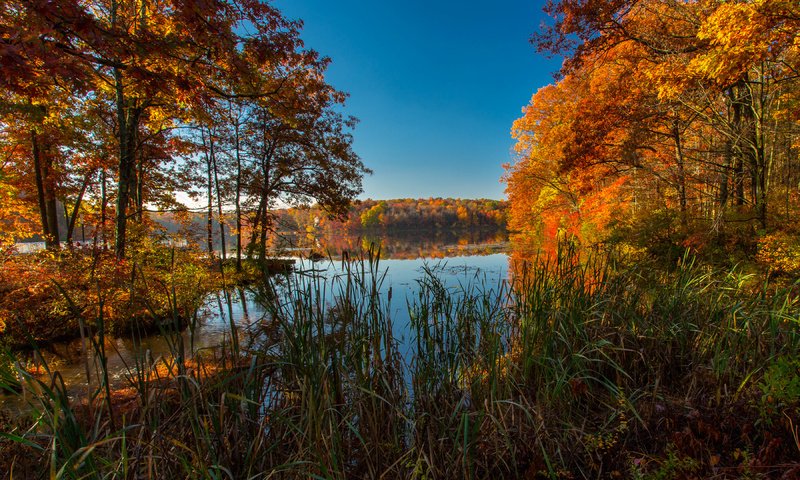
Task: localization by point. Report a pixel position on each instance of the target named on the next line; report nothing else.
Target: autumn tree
(682, 103)
(152, 69)
(301, 155)
(141, 56)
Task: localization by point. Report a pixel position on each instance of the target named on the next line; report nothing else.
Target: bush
(780, 253)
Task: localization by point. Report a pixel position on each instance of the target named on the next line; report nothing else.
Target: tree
(161, 55)
(680, 104)
(149, 69)
(301, 155)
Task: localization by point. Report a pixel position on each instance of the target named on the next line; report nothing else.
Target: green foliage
(674, 466)
(403, 214)
(374, 216)
(656, 232)
(9, 382)
(780, 385)
(659, 235)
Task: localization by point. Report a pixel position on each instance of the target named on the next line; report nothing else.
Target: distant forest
(366, 216)
(404, 214)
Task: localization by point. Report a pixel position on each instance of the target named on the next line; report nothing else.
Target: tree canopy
(680, 115)
(111, 107)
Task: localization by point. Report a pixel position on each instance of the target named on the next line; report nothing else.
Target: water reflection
(398, 245)
(235, 319)
(210, 330)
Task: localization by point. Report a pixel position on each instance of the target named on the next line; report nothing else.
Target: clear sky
(435, 84)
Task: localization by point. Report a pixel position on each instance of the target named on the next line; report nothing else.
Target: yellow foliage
(780, 252)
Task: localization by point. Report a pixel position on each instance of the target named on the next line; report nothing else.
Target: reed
(576, 367)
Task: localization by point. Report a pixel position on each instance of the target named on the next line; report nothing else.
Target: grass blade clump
(578, 366)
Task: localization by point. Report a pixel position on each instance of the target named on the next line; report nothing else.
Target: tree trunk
(50, 202)
(126, 173)
(738, 164)
(37, 167)
(209, 192)
(724, 177)
(219, 197)
(263, 236)
(103, 203)
(128, 124)
(255, 228)
(238, 197)
(266, 168)
(681, 187)
(753, 125)
(66, 221)
(72, 218)
(140, 187)
(265, 202)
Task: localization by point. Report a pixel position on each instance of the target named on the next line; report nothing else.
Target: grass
(575, 368)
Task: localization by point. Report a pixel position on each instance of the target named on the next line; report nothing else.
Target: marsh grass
(575, 368)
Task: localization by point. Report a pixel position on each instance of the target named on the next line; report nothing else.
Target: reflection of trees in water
(561, 258)
(400, 245)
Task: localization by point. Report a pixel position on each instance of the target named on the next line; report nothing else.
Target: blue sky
(435, 85)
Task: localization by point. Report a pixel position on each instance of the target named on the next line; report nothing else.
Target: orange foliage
(46, 295)
(402, 214)
(684, 107)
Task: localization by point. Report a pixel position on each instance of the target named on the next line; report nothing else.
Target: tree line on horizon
(402, 214)
(113, 108)
(672, 125)
(364, 217)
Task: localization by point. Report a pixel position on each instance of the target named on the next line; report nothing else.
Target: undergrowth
(574, 368)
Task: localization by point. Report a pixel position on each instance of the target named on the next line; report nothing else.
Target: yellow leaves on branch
(736, 32)
(743, 34)
(16, 214)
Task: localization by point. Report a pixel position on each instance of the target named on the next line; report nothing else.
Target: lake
(456, 259)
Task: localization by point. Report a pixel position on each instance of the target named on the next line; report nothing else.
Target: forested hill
(401, 214)
(404, 214)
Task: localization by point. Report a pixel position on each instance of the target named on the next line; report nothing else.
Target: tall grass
(566, 370)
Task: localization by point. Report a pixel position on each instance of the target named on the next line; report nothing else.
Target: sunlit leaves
(116, 88)
(683, 107)
(742, 34)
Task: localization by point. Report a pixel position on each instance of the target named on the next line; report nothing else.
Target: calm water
(456, 261)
